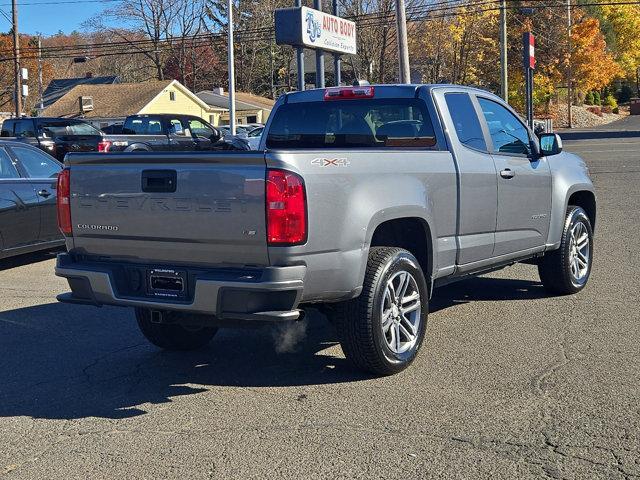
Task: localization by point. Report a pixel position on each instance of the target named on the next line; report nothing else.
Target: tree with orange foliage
(594, 67)
(7, 77)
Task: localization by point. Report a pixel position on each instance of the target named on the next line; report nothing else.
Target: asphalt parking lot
(511, 383)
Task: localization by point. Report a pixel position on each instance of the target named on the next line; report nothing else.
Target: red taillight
(104, 146)
(63, 201)
(348, 93)
(286, 208)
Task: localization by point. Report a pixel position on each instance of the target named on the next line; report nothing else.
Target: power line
(58, 2)
(144, 46)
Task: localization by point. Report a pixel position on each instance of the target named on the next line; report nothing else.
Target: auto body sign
(327, 32)
(309, 28)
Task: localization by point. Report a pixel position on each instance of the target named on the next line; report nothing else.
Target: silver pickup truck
(360, 200)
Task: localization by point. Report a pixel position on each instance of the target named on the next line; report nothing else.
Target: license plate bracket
(167, 283)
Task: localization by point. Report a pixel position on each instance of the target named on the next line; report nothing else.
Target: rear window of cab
(361, 123)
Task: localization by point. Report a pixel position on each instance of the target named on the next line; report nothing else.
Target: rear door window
(362, 123)
(465, 121)
(143, 126)
(177, 127)
(36, 163)
(7, 168)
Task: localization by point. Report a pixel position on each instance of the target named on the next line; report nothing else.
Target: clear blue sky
(49, 19)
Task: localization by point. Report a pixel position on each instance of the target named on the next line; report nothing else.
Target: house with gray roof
(249, 108)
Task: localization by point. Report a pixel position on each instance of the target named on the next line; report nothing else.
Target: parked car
(56, 136)
(254, 137)
(28, 179)
(361, 202)
(242, 129)
(166, 132)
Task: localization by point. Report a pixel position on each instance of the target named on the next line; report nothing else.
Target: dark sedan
(27, 199)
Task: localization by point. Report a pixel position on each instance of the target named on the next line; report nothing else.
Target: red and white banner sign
(529, 46)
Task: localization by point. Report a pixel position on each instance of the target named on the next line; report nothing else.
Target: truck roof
(381, 90)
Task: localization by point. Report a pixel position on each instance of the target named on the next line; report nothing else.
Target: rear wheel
(382, 330)
(567, 269)
(176, 335)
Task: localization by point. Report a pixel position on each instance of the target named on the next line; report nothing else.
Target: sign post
(529, 60)
(300, 59)
(309, 28)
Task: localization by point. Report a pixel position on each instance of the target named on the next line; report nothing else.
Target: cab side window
(508, 133)
(24, 128)
(35, 163)
(466, 121)
(7, 168)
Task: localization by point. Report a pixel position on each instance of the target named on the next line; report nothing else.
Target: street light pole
(41, 103)
(504, 82)
(403, 47)
(16, 59)
(569, 73)
(232, 84)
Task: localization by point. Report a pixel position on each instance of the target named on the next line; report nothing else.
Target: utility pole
(317, 4)
(569, 73)
(504, 81)
(232, 79)
(300, 59)
(41, 103)
(273, 87)
(403, 47)
(16, 60)
(337, 63)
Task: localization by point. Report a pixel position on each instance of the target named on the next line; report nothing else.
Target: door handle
(44, 193)
(507, 173)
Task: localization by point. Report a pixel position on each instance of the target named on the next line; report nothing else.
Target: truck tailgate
(170, 209)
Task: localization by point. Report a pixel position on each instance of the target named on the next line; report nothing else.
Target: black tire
(555, 267)
(359, 321)
(173, 336)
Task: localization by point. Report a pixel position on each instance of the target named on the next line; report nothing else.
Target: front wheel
(567, 269)
(382, 330)
(173, 336)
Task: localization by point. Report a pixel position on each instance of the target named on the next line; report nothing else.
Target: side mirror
(550, 144)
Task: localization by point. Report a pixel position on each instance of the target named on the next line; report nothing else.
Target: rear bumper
(267, 294)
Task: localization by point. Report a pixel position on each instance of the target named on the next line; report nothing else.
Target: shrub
(616, 110)
(625, 94)
(588, 99)
(596, 98)
(610, 101)
(606, 109)
(595, 110)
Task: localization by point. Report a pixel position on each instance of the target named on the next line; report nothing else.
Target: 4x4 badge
(330, 162)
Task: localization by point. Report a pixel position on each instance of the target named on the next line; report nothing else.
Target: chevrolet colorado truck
(360, 200)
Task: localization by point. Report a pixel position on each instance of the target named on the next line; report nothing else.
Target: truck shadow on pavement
(28, 259)
(62, 361)
(485, 289)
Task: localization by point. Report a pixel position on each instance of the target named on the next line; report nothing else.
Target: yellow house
(249, 108)
(104, 105)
